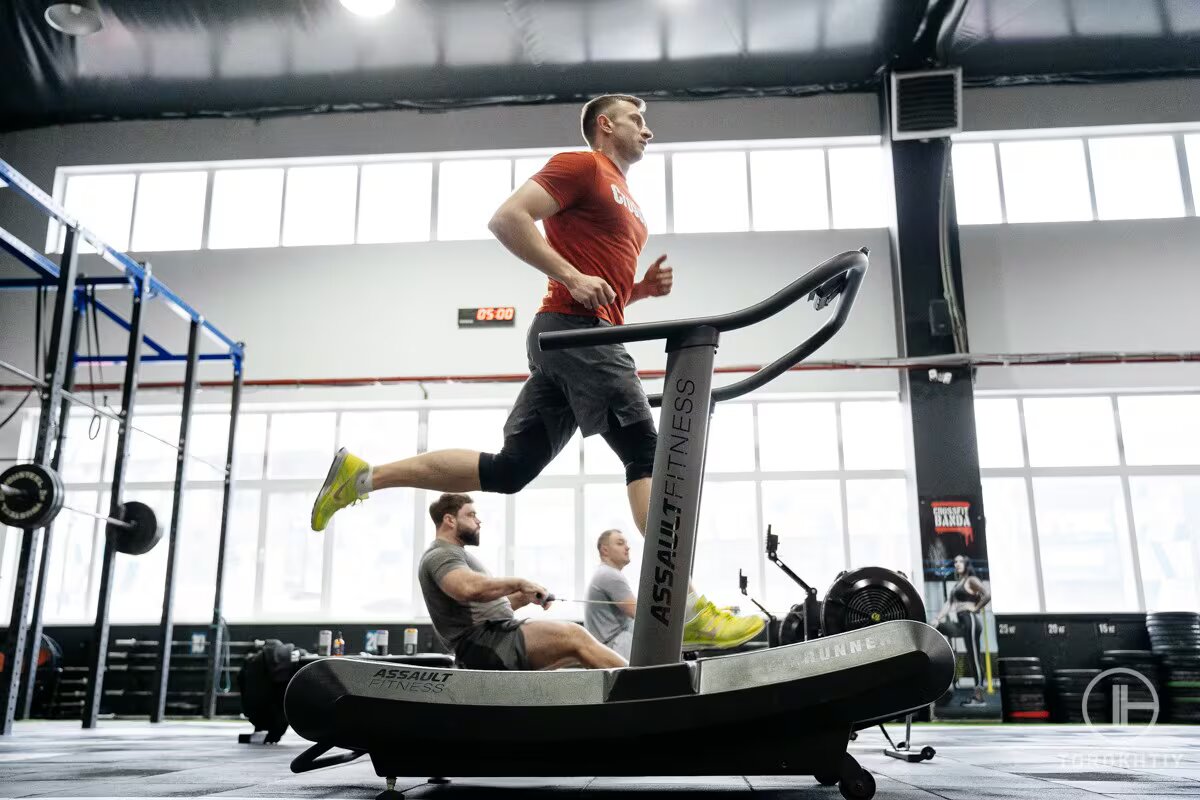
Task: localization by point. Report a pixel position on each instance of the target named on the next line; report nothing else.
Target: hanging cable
(39, 303)
(89, 310)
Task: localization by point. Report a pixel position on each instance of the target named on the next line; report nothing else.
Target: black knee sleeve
(524, 455)
(634, 445)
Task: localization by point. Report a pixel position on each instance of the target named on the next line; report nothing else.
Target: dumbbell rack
(132, 668)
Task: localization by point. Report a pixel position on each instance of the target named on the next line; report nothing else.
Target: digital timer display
(487, 317)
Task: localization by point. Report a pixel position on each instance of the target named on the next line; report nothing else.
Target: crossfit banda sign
(950, 527)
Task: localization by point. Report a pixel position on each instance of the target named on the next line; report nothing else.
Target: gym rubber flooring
(203, 759)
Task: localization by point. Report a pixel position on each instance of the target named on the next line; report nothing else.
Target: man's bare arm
(468, 586)
(513, 224)
(518, 600)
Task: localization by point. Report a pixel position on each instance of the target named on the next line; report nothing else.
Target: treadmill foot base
(911, 756)
(856, 783)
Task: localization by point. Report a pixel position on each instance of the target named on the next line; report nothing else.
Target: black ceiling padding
(197, 58)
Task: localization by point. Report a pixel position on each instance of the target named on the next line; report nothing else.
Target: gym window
(104, 204)
(802, 513)
(727, 539)
(170, 211)
(567, 461)
(648, 185)
(294, 559)
(246, 208)
(1152, 432)
(872, 435)
(789, 190)
(319, 205)
(1136, 177)
(599, 459)
(731, 438)
(469, 192)
(877, 518)
(298, 445)
(1012, 568)
(375, 552)
(772, 185)
(1062, 530)
(856, 187)
(1045, 181)
(819, 450)
(976, 184)
(1192, 144)
(710, 192)
(1083, 541)
(1167, 516)
(1070, 432)
(394, 202)
(543, 541)
(998, 433)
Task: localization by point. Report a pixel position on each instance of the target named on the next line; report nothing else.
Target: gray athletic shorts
(580, 387)
(497, 644)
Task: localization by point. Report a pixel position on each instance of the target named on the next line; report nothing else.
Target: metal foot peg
(309, 759)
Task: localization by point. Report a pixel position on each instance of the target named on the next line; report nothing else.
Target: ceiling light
(369, 8)
(75, 19)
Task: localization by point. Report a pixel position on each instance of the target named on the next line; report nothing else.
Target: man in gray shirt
(610, 619)
(473, 612)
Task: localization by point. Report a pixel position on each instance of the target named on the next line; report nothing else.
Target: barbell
(31, 497)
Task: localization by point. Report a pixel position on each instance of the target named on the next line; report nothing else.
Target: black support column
(166, 628)
(216, 666)
(79, 320)
(930, 322)
(27, 561)
(95, 686)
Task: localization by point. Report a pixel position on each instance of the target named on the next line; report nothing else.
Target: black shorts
(497, 644)
(581, 387)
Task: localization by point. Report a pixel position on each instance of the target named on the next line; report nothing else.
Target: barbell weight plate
(37, 501)
(61, 497)
(144, 534)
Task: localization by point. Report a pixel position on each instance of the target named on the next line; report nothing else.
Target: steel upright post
(25, 707)
(215, 666)
(56, 370)
(95, 686)
(166, 627)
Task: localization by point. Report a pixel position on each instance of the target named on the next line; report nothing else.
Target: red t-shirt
(598, 228)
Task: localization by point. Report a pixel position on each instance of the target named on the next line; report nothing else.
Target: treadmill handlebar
(852, 264)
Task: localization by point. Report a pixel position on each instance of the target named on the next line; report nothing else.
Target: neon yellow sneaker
(340, 488)
(718, 629)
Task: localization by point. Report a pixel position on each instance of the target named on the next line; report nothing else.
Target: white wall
(1060, 287)
(1103, 286)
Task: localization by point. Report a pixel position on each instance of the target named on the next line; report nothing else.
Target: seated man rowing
(472, 612)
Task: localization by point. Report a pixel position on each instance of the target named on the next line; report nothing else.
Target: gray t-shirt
(606, 621)
(452, 619)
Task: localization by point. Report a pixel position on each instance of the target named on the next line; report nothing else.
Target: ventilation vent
(926, 104)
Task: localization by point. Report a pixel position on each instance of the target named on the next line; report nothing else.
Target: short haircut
(447, 504)
(604, 537)
(604, 104)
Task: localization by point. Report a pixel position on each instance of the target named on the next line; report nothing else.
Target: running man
(595, 232)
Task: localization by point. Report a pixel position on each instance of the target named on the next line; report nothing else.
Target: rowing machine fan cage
(868, 596)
